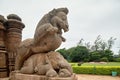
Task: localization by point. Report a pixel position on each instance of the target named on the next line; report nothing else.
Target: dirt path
(96, 77)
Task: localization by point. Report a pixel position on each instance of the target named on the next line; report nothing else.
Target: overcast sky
(87, 18)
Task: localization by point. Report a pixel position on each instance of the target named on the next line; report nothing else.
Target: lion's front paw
(52, 29)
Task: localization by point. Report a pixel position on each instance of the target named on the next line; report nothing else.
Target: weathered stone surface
(13, 37)
(2, 19)
(3, 52)
(14, 16)
(2, 35)
(19, 76)
(4, 78)
(47, 64)
(2, 58)
(37, 55)
(47, 37)
(10, 38)
(3, 74)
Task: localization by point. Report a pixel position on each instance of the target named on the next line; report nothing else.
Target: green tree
(108, 54)
(110, 42)
(80, 43)
(80, 53)
(104, 59)
(97, 43)
(64, 53)
(70, 51)
(119, 53)
(95, 56)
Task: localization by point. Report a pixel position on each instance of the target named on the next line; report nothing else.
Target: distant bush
(83, 69)
(100, 70)
(104, 59)
(73, 64)
(117, 59)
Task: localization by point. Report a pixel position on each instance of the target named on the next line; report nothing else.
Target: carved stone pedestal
(3, 53)
(19, 76)
(14, 27)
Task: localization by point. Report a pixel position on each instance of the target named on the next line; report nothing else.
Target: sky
(87, 18)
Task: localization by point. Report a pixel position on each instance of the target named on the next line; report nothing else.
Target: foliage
(95, 56)
(80, 43)
(100, 70)
(104, 59)
(85, 52)
(111, 42)
(108, 54)
(63, 52)
(100, 44)
(82, 54)
(79, 54)
(117, 59)
(70, 51)
(102, 64)
(83, 69)
(100, 55)
(73, 64)
(97, 43)
(96, 68)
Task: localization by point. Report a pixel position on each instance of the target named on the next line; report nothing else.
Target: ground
(90, 77)
(96, 77)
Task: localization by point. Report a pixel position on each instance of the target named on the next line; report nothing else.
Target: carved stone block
(2, 59)
(3, 66)
(19, 76)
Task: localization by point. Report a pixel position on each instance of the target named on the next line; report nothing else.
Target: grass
(98, 64)
(102, 64)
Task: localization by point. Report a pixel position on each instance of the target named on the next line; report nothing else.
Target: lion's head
(55, 18)
(61, 21)
(61, 18)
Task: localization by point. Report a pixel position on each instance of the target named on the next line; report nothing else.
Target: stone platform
(19, 76)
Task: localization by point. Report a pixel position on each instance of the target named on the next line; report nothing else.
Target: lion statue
(33, 54)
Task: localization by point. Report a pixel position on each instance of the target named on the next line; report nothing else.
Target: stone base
(19, 76)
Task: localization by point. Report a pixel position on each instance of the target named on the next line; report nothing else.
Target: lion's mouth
(63, 28)
(66, 29)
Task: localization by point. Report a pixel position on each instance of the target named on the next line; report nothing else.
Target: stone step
(4, 78)
(19, 76)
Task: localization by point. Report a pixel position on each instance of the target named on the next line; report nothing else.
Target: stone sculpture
(10, 39)
(14, 27)
(3, 53)
(38, 55)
